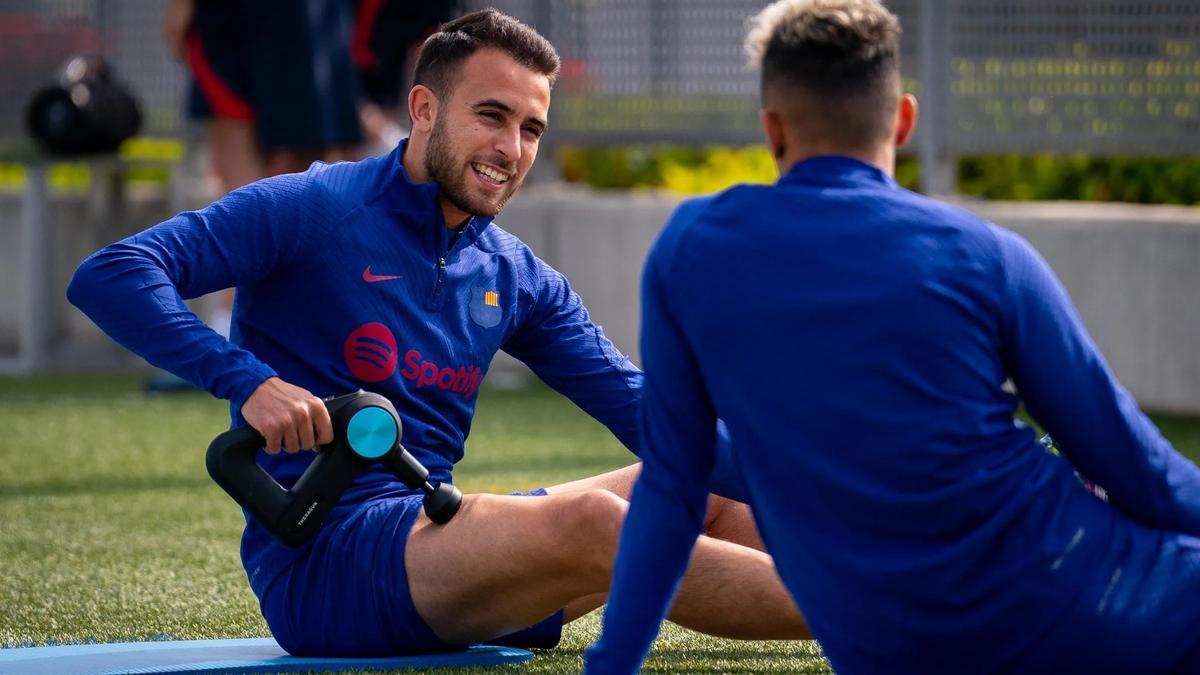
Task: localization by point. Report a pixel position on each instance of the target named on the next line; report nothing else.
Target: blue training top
(857, 338)
(345, 280)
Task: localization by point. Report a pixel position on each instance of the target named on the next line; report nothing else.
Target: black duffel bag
(87, 111)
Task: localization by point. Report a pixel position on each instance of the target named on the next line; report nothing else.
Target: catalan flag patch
(485, 307)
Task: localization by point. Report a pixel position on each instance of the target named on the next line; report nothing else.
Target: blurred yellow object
(147, 148)
(12, 177)
(144, 160)
(69, 177)
(721, 168)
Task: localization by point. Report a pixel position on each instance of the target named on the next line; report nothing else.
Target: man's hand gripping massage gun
(366, 430)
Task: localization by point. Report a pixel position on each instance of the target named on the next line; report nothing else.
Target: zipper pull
(442, 262)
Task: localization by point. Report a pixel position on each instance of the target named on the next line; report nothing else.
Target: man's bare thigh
(506, 562)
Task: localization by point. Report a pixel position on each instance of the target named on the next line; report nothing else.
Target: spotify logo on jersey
(370, 352)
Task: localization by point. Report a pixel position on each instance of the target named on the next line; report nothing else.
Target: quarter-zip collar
(417, 206)
(837, 171)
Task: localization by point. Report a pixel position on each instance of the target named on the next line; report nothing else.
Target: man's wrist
(246, 385)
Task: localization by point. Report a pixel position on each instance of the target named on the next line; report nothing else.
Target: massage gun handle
(293, 515)
(233, 454)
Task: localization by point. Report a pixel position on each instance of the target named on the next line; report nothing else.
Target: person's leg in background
(236, 161)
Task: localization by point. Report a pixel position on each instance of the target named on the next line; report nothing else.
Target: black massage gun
(366, 430)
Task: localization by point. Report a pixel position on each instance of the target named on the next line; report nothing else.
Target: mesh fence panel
(665, 70)
(38, 36)
(1079, 75)
(1016, 75)
(1098, 76)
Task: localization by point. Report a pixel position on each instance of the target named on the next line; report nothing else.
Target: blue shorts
(347, 595)
(1139, 611)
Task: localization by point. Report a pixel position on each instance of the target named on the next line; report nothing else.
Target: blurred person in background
(387, 37)
(857, 339)
(274, 84)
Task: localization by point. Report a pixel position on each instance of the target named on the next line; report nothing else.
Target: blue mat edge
(480, 655)
(22, 653)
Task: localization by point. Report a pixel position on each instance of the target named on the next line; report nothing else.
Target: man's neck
(455, 218)
(414, 166)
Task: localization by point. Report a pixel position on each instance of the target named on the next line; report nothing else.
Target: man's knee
(587, 530)
(721, 510)
(732, 521)
(601, 512)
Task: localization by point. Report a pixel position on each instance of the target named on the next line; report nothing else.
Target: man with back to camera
(920, 528)
(388, 274)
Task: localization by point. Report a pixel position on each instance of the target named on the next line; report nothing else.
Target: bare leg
(727, 519)
(236, 160)
(290, 161)
(342, 153)
(505, 563)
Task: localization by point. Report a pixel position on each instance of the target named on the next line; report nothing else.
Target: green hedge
(1141, 180)
(687, 170)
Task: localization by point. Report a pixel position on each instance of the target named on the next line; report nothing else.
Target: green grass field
(110, 529)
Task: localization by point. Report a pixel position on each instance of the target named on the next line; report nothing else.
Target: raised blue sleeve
(134, 290)
(562, 346)
(667, 509)
(1067, 387)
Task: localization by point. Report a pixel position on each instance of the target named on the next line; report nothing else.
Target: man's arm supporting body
(562, 346)
(1068, 388)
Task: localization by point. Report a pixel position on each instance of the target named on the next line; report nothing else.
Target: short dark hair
(445, 51)
(841, 56)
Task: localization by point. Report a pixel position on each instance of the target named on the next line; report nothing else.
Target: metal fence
(994, 76)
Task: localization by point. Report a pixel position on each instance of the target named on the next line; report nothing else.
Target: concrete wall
(1134, 275)
(75, 226)
(1133, 272)
(599, 241)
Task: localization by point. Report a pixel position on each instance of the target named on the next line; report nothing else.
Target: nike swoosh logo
(373, 278)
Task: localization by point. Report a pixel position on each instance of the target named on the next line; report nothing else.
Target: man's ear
(422, 108)
(906, 119)
(776, 131)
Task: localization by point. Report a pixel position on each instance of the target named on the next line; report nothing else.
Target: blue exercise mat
(224, 656)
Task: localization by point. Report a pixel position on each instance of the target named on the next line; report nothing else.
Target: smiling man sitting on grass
(389, 275)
